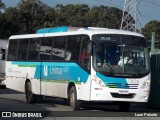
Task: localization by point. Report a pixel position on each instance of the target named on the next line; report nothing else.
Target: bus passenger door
(85, 61)
(49, 85)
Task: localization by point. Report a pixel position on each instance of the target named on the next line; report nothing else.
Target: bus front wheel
(74, 103)
(30, 97)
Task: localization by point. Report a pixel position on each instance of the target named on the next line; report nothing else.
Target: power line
(146, 17)
(151, 2)
(109, 3)
(120, 7)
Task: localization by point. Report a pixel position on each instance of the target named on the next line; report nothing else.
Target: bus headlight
(99, 81)
(145, 84)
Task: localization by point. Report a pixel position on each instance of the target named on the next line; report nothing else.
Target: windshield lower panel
(120, 55)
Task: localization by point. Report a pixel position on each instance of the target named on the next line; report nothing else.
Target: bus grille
(116, 95)
(122, 86)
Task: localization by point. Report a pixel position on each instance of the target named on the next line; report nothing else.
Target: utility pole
(153, 41)
(131, 16)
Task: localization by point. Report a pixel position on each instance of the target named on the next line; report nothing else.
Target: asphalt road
(14, 101)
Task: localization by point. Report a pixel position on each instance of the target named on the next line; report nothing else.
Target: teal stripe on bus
(57, 71)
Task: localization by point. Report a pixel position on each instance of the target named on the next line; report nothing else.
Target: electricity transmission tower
(131, 16)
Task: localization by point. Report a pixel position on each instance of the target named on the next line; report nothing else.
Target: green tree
(152, 26)
(115, 16)
(3, 23)
(72, 15)
(3, 26)
(11, 16)
(2, 5)
(33, 14)
(93, 16)
(104, 16)
(29, 16)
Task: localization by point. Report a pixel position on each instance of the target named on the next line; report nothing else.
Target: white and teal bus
(3, 51)
(86, 64)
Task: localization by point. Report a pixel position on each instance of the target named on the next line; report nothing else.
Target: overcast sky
(150, 9)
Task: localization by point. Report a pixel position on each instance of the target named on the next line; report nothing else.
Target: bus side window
(34, 49)
(12, 50)
(23, 49)
(58, 51)
(46, 49)
(73, 48)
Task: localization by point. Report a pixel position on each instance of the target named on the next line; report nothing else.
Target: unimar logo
(52, 70)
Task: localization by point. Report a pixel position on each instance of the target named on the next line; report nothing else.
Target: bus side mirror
(3, 57)
(3, 54)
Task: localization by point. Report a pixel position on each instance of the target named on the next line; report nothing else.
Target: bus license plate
(123, 92)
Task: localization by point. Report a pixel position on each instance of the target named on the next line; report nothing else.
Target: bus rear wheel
(74, 103)
(30, 97)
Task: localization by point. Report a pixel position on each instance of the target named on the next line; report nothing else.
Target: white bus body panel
(16, 77)
(105, 93)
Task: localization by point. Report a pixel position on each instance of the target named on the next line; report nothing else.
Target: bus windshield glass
(120, 55)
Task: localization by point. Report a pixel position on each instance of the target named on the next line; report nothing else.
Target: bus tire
(124, 106)
(74, 103)
(30, 97)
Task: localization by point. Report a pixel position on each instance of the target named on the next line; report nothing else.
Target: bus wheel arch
(30, 97)
(72, 97)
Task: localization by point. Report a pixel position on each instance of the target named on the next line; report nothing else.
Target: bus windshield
(120, 55)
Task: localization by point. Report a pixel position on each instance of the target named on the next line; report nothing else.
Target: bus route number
(133, 81)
